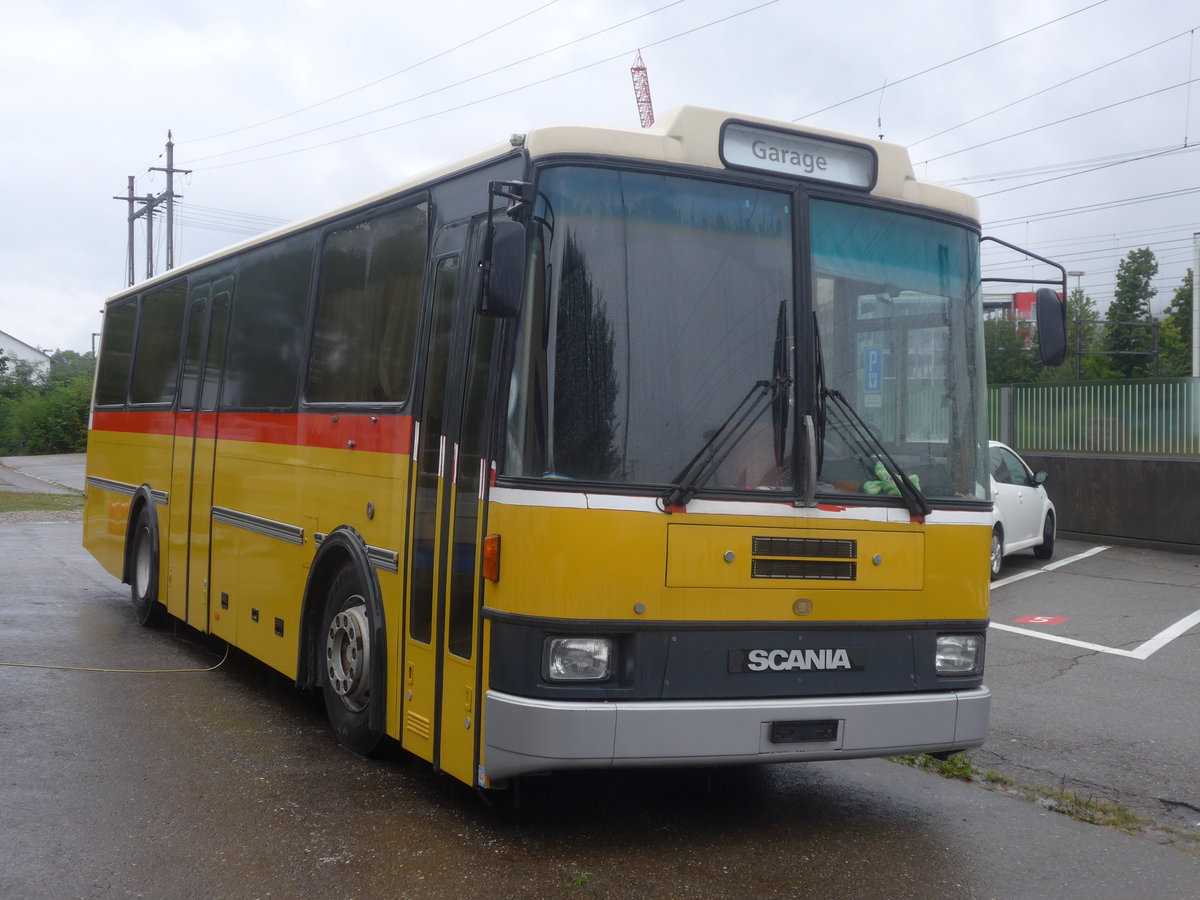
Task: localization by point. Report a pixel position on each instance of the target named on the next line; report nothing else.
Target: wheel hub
(348, 656)
(141, 565)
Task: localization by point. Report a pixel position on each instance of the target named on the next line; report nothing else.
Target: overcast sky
(284, 108)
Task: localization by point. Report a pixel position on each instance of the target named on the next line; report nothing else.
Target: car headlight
(577, 659)
(959, 654)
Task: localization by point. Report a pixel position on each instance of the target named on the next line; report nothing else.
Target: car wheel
(1046, 549)
(997, 551)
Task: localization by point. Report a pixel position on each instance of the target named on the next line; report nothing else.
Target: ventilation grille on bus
(812, 558)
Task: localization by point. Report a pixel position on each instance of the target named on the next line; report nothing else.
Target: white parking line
(1050, 567)
(1153, 645)
(1143, 651)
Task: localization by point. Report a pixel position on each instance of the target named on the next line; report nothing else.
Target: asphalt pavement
(1092, 661)
(57, 474)
(176, 781)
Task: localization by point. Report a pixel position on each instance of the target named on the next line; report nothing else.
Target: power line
(1060, 121)
(441, 89)
(951, 61)
(1094, 207)
(1048, 89)
(1111, 165)
(624, 54)
(214, 215)
(1060, 166)
(371, 84)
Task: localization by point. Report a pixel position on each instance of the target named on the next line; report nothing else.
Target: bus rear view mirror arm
(1050, 308)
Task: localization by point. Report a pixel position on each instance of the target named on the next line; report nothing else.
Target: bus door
(195, 447)
(442, 654)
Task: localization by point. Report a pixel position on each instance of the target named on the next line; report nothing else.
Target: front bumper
(525, 735)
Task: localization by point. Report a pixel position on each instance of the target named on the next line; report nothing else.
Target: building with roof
(13, 348)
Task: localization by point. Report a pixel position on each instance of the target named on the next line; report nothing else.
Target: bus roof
(688, 135)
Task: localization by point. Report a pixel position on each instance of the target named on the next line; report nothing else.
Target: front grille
(819, 569)
(795, 547)
(817, 559)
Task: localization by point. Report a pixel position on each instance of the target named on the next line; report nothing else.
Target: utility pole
(149, 202)
(170, 196)
(1196, 306)
(147, 210)
(129, 251)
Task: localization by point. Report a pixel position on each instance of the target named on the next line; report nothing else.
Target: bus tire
(143, 570)
(347, 663)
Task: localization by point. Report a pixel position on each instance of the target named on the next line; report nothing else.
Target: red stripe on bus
(342, 431)
(134, 421)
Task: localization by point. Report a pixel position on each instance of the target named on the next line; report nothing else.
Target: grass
(1059, 800)
(14, 501)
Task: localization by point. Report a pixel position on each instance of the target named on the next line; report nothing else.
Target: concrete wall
(1154, 502)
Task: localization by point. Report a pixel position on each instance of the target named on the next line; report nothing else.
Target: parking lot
(1093, 664)
(232, 779)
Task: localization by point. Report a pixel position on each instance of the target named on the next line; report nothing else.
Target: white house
(16, 349)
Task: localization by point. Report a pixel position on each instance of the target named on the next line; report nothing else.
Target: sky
(1073, 121)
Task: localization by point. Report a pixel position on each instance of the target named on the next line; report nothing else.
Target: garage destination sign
(803, 156)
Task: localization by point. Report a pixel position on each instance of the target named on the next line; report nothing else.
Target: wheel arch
(341, 547)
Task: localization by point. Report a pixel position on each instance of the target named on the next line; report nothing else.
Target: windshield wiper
(866, 439)
(716, 449)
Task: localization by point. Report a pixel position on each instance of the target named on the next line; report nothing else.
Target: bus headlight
(959, 654)
(577, 659)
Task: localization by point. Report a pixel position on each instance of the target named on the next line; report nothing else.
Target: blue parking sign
(872, 370)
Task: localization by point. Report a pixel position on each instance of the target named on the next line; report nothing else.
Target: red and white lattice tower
(641, 91)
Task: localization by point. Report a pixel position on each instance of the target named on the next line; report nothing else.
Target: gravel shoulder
(40, 516)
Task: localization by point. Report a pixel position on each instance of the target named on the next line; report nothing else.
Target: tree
(1006, 348)
(45, 412)
(67, 365)
(1175, 334)
(1128, 332)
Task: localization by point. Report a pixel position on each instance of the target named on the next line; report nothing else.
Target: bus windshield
(653, 311)
(897, 307)
(659, 327)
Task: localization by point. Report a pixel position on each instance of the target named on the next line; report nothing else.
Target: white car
(1022, 514)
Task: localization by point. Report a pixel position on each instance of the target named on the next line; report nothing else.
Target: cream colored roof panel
(691, 134)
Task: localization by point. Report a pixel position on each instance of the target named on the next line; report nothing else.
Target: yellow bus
(600, 448)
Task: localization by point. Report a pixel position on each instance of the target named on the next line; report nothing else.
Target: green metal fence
(1136, 417)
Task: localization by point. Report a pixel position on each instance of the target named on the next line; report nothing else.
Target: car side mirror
(1039, 478)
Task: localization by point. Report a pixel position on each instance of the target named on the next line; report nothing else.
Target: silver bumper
(524, 735)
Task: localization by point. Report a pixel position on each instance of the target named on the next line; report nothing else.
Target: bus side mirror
(503, 269)
(1051, 316)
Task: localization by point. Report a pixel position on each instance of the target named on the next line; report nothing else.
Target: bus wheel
(347, 664)
(143, 571)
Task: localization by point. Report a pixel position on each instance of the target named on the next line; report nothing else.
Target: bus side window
(211, 385)
(156, 361)
(368, 302)
(112, 378)
(266, 333)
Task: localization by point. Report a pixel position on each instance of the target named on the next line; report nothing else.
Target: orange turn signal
(491, 557)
